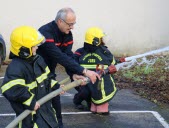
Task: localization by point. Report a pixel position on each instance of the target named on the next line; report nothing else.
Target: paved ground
(127, 111)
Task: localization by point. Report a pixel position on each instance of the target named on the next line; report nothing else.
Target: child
(95, 52)
(27, 79)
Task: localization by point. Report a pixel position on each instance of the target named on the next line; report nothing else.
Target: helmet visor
(42, 42)
(40, 36)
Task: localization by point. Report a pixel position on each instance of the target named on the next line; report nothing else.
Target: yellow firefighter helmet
(93, 36)
(23, 38)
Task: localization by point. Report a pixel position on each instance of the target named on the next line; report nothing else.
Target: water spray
(147, 53)
(130, 61)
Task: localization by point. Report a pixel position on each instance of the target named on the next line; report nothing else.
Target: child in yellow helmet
(93, 53)
(28, 79)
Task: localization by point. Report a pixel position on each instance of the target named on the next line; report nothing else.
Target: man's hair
(62, 13)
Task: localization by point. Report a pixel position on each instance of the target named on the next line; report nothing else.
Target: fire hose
(51, 95)
(74, 84)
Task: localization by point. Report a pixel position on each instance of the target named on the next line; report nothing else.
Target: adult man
(58, 49)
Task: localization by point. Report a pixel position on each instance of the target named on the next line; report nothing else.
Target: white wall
(132, 26)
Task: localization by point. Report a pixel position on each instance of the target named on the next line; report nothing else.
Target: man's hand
(77, 77)
(112, 69)
(122, 60)
(92, 75)
(37, 106)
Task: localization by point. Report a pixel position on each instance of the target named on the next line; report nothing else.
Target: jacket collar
(56, 28)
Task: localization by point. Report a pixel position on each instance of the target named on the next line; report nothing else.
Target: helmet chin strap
(24, 52)
(96, 41)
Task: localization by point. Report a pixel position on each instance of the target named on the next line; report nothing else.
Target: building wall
(132, 26)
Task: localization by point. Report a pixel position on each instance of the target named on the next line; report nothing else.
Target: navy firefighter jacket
(104, 90)
(58, 49)
(24, 85)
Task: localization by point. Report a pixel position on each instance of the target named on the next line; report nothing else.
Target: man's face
(66, 25)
